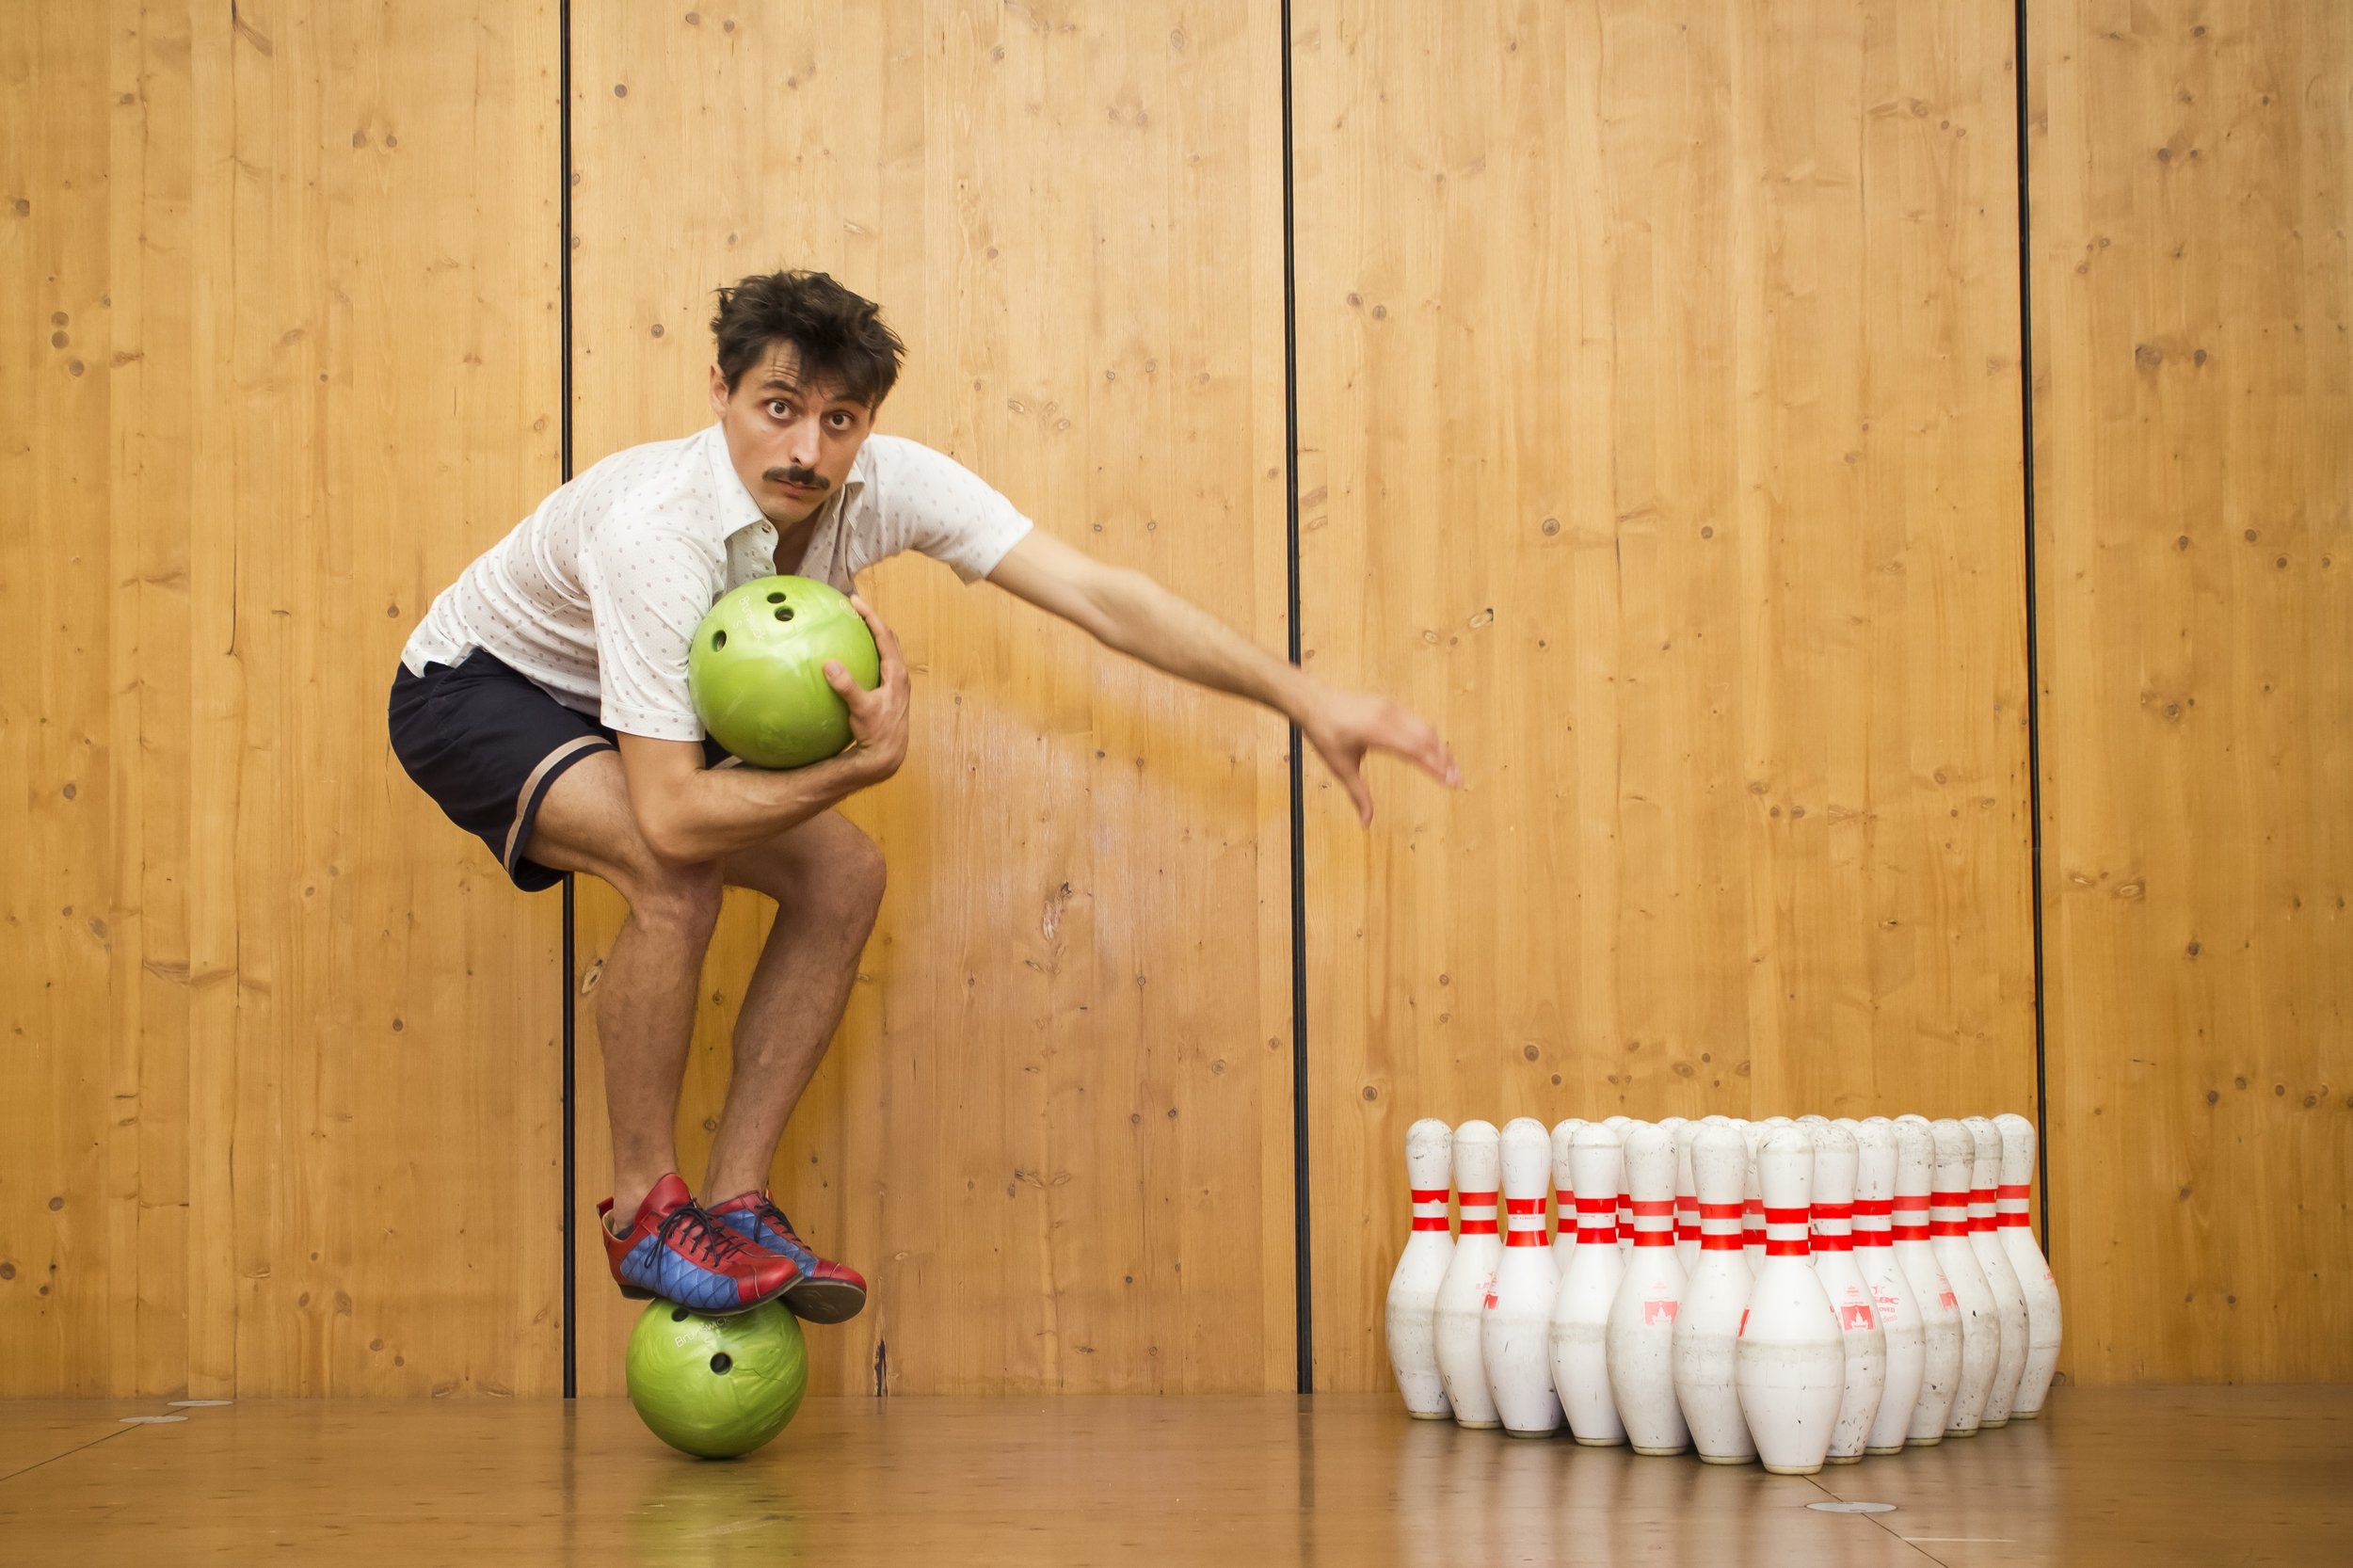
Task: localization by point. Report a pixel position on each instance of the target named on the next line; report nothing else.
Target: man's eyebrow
(783, 383)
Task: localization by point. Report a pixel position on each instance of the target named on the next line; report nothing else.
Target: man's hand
(1344, 726)
(878, 719)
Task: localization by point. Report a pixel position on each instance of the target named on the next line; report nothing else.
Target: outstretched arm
(1129, 610)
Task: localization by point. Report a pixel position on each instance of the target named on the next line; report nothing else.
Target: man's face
(791, 444)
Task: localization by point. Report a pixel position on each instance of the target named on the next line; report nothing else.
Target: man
(542, 703)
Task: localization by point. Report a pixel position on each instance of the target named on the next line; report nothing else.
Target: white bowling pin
(1715, 1296)
(1875, 1254)
(1687, 1200)
(1414, 1285)
(1948, 1233)
(1836, 1156)
(1580, 1313)
(2010, 1296)
(2033, 1269)
(1940, 1310)
(1791, 1366)
(1516, 1327)
(1469, 1274)
(1623, 1126)
(1639, 1340)
(1752, 1136)
(1563, 1191)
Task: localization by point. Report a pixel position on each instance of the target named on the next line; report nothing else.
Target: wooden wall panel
(1660, 438)
(1054, 1130)
(277, 1106)
(2193, 189)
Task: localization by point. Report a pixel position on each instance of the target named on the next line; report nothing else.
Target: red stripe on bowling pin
(2010, 1206)
(1479, 1212)
(1870, 1223)
(1911, 1218)
(1982, 1208)
(1833, 1227)
(1654, 1221)
(1948, 1213)
(1786, 1233)
(1526, 1223)
(1429, 1207)
(1596, 1221)
(1719, 1227)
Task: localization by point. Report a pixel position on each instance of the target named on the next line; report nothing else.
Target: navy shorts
(487, 743)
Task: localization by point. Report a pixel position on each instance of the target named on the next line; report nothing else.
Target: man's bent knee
(684, 899)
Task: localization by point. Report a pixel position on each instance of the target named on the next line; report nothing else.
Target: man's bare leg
(646, 994)
(826, 877)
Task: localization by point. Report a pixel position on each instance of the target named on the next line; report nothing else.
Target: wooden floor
(2139, 1476)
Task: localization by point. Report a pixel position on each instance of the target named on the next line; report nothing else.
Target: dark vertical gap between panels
(2034, 665)
(1301, 1276)
(563, 336)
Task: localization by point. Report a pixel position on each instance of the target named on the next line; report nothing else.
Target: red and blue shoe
(674, 1250)
(824, 1292)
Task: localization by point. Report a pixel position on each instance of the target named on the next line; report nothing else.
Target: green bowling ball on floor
(716, 1387)
(757, 670)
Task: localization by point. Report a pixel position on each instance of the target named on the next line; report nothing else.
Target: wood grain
(1054, 1129)
(278, 1113)
(2194, 425)
(2112, 1478)
(1659, 437)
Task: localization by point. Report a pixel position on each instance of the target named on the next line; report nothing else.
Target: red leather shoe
(826, 1292)
(676, 1251)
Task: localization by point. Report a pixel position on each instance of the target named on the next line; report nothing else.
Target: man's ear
(718, 391)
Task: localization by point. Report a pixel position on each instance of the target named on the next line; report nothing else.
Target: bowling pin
(1948, 1233)
(1638, 1338)
(1790, 1367)
(1621, 1125)
(1875, 1254)
(1753, 1135)
(1413, 1285)
(1563, 1191)
(2033, 1269)
(1580, 1313)
(2010, 1296)
(1461, 1299)
(1687, 1200)
(1836, 1156)
(1516, 1326)
(1715, 1296)
(1940, 1310)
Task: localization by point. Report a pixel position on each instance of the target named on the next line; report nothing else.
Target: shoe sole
(637, 1293)
(824, 1301)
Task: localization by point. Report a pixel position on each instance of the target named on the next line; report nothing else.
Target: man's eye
(777, 411)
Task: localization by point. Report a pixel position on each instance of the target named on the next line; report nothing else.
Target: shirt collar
(734, 508)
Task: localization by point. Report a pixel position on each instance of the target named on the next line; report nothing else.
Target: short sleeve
(933, 503)
(648, 588)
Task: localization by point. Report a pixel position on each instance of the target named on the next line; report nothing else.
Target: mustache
(806, 478)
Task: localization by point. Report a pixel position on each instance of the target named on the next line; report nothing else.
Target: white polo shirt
(596, 595)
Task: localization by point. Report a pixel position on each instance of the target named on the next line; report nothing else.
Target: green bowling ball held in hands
(757, 670)
(716, 1387)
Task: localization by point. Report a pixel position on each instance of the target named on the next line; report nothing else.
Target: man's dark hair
(840, 337)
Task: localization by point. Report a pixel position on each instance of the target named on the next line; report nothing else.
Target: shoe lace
(689, 1228)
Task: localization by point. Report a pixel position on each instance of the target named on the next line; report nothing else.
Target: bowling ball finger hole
(718, 641)
(776, 597)
(722, 1362)
(677, 1315)
(785, 614)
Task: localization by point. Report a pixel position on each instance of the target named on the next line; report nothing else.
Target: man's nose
(801, 444)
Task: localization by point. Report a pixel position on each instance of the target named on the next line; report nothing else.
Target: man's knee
(683, 899)
(860, 873)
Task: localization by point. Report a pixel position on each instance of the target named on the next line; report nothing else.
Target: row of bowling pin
(1794, 1291)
